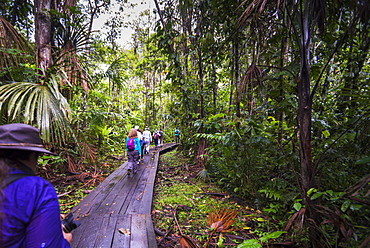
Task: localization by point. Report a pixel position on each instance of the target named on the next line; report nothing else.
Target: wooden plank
(119, 196)
(136, 199)
(134, 193)
(102, 185)
(85, 235)
(88, 207)
(138, 231)
(146, 205)
(123, 240)
(126, 194)
(95, 197)
(145, 208)
(105, 195)
(152, 241)
(105, 235)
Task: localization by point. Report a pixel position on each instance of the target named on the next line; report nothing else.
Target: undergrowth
(71, 188)
(190, 211)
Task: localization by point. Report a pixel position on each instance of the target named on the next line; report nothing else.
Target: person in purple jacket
(29, 208)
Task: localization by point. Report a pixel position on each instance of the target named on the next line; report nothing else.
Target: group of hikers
(29, 208)
(138, 143)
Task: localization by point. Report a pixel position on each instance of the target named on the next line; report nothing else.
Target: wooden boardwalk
(120, 202)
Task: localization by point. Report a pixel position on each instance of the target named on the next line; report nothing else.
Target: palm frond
(71, 38)
(14, 49)
(256, 6)
(225, 216)
(42, 105)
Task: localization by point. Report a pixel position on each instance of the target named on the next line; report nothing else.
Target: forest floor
(188, 209)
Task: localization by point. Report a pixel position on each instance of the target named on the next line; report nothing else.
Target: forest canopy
(271, 97)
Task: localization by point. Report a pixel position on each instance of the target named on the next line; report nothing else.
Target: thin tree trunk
(284, 48)
(236, 75)
(215, 88)
(44, 58)
(200, 71)
(307, 169)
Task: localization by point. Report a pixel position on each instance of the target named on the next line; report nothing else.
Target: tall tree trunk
(284, 48)
(44, 59)
(304, 127)
(180, 73)
(215, 88)
(236, 75)
(200, 70)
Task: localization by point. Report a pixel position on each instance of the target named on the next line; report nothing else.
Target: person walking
(147, 135)
(139, 132)
(141, 139)
(133, 151)
(156, 138)
(29, 208)
(177, 135)
(161, 137)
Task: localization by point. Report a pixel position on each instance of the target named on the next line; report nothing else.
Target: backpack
(131, 144)
(156, 136)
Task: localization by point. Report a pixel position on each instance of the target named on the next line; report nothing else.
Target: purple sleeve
(34, 216)
(45, 226)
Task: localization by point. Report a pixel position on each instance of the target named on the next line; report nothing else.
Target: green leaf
(326, 133)
(297, 206)
(273, 235)
(316, 195)
(310, 191)
(250, 243)
(363, 161)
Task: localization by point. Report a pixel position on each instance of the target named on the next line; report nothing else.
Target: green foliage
(40, 104)
(179, 194)
(21, 71)
(231, 88)
(173, 192)
(250, 243)
(253, 243)
(237, 158)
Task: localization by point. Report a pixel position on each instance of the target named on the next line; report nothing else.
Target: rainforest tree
(271, 96)
(281, 60)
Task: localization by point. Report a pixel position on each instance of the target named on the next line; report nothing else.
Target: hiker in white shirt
(147, 135)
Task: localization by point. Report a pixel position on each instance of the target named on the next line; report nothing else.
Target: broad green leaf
(250, 243)
(316, 195)
(273, 235)
(297, 206)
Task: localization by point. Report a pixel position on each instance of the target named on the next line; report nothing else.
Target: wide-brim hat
(19, 136)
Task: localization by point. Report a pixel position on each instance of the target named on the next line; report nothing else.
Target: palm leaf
(72, 39)
(256, 6)
(14, 48)
(42, 105)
